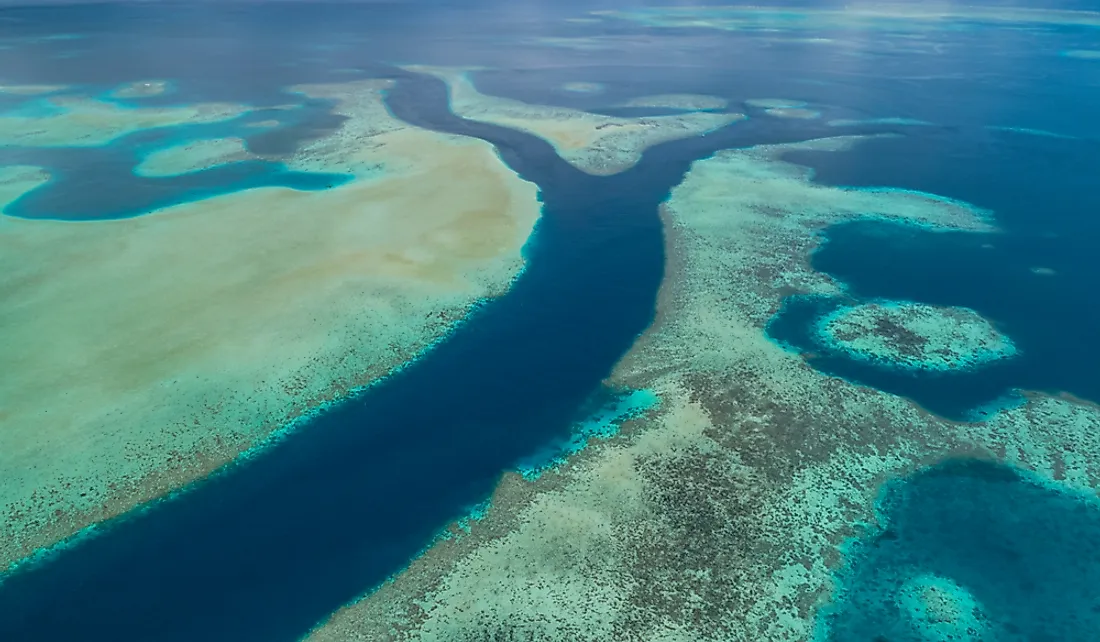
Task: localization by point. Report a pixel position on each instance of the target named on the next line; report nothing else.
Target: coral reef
(192, 157)
(723, 515)
(685, 102)
(972, 551)
(141, 89)
(79, 121)
(593, 143)
(914, 336)
(153, 349)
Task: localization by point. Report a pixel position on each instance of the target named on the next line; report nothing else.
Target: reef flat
(154, 349)
(193, 156)
(593, 143)
(914, 336)
(793, 112)
(888, 120)
(75, 121)
(724, 513)
(583, 87)
(685, 102)
(783, 108)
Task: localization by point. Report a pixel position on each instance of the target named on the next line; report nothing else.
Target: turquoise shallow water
(269, 549)
(120, 193)
(1011, 558)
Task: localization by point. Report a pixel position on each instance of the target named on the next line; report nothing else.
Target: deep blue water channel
(270, 547)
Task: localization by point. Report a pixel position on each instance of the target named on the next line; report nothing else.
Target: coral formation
(774, 103)
(914, 336)
(583, 87)
(141, 89)
(80, 121)
(593, 143)
(153, 349)
(887, 120)
(193, 156)
(971, 551)
(722, 515)
(684, 102)
(793, 112)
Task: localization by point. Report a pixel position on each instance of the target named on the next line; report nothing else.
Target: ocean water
(1029, 279)
(269, 547)
(120, 193)
(968, 551)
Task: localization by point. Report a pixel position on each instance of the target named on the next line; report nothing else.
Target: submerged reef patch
(600, 425)
(583, 87)
(593, 143)
(899, 18)
(914, 336)
(723, 514)
(141, 89)
(193, 156)
(971, 550)
(31, 90)
(684, 102)
(793, 112)
(186, 336)
(17, 180)
(886, 120)
(1082, 54)
(76, 121)
(774, 103)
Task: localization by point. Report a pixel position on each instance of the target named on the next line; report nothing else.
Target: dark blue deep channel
(272, 545)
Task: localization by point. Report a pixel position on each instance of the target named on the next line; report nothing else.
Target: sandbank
(193, 156)
(148, 351)
(85, 122)
(596, 144)
(722, 516)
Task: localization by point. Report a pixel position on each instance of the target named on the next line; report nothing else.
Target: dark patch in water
(1025, 553)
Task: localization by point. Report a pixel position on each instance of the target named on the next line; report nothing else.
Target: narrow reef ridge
(684, 102)
(593, 143)
(159, 327)
(725, 513)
